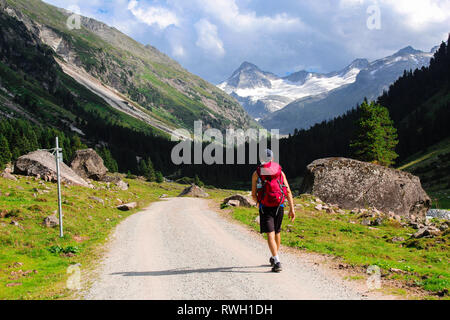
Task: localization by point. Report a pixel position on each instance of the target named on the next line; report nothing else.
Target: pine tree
(198, 182)
(159, 177)
(108, 160)
(376, 136)
(5, 153)
(151, 175)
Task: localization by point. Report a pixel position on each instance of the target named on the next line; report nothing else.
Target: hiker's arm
(254, 182)
(290, 199)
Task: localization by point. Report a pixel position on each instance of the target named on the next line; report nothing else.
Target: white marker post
(58, 157)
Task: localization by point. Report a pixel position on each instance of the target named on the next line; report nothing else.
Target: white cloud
(208, 38)
(416, 14)
(159, 16)
(420, 13)
(228, 12)
(178, 51)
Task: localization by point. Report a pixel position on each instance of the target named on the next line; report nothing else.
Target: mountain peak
(359, 63)
(248, 66)
(407, 50)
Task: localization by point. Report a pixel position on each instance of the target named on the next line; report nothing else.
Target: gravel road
(181, 249)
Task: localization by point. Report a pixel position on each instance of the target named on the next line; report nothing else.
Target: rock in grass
(194, 191)
(127, 206)
(89, 165)
(238, 200)
(42, 164)
(97, 199)
(427, 231)
(233, 203)
(122, 185)
(7, 175)
(398, 239)
(355, 184)
(51, 221)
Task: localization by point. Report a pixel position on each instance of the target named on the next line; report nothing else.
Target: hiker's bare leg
(278, 240)
(272, 243)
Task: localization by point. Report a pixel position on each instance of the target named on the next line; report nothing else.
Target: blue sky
(211, 38)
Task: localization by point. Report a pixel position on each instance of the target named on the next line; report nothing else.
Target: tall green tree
(376, 136)
(5, 153)
(151, 174)
(159, 177)
(108, 159)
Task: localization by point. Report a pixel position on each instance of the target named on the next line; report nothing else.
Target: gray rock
(127, 206)
(51, 221)
(122, 185)
(377, 222)
(233, 203)
(355, 184)
(243, 201)
(366, 222)
(89, 165)
(42, 164)
(427, 231)
(6, 174)
(194, 191)
(97, 199)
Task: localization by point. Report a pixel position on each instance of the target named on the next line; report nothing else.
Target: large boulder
(354, 184)
(89, 165)
(242, 200)
(43, 165)
(127, 206)
(194, 191)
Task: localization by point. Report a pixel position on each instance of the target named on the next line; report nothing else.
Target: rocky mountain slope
(148, 81)
(305, 98)
(262, 93)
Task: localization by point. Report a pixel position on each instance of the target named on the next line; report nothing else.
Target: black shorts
(269, 220)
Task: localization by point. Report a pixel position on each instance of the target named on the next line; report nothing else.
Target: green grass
(87, 224)
(426, 261)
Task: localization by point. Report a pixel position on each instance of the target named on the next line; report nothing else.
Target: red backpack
(272, 192)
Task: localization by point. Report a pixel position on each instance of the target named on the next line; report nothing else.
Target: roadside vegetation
(415, 268)
(33, 258)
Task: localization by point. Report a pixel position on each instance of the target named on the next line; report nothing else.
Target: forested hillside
(154, 84)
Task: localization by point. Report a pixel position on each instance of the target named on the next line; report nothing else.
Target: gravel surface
(181, 249)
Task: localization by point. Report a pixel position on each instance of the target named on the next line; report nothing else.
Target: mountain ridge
(157, 85)
(301, 99)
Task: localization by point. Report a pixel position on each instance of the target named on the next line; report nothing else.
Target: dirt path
(181, 249)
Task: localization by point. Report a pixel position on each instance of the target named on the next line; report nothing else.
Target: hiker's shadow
(190, 271)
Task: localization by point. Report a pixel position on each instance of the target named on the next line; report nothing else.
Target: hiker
(270, 189)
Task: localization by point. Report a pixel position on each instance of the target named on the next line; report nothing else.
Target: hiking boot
(277, 267)
(272, 261)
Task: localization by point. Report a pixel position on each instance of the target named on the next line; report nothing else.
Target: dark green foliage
(5, 153)
(108, 159)
(159, 177)
(198, 182)
(376, 136)
(150, 173)
(23, 137)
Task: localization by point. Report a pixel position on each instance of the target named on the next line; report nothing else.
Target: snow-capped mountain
(305, 98)
(262, 92)
(370, 83)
